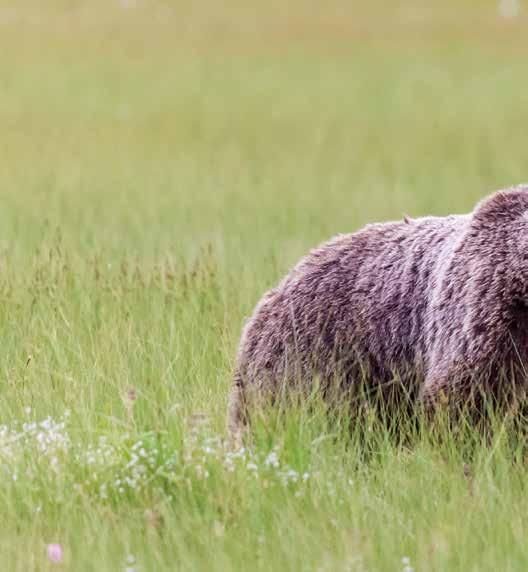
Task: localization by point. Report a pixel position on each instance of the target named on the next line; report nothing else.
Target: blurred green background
(261, 127)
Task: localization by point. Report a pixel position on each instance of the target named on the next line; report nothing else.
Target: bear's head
(503, 207)
(500, 226)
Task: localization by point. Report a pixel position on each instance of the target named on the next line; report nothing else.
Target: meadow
(161, 165)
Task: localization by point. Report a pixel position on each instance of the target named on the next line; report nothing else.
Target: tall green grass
(161, 166)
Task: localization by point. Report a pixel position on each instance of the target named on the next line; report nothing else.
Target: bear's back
(360, 295)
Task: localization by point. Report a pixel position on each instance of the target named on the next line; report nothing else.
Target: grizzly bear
(441, 300)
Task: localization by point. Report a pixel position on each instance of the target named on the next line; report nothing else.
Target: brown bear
(442, 300)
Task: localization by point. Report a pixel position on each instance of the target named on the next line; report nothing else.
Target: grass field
(161, 165)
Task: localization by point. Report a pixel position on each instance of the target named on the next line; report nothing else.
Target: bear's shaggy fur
(443, 298)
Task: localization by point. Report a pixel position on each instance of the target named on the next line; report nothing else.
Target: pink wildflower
(55, 553)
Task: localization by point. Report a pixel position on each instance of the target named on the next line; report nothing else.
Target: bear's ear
(503, 206)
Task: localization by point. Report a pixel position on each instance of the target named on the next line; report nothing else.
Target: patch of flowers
(41, 450)
(126, 467)
(257, 464)
(23, 446)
